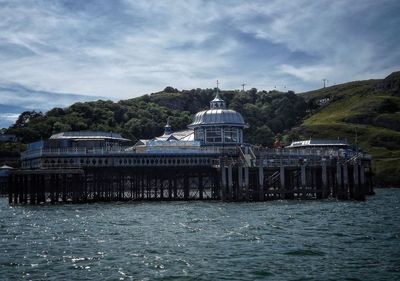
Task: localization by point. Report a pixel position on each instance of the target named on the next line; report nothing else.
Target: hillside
(367, 112)
(364, 112)
(267, 113)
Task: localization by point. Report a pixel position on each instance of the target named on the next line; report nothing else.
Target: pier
(232, 175)
(208, 161)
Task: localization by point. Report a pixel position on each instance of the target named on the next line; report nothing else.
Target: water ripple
(280, 240)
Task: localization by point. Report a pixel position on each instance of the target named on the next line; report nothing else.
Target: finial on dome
(167, 127)
(217, 102)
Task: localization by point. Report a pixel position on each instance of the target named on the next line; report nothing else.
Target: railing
(100, 151)
(328, 153)
(294, 161)
(236, 156)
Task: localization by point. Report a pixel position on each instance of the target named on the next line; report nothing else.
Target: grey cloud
(126, 48)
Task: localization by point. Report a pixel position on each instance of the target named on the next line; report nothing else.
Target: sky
(126, 48)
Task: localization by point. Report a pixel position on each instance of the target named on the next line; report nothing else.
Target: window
(231, 135)
(213, 135)
(199, 134)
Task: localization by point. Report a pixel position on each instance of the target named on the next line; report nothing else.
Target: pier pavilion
(209, 161)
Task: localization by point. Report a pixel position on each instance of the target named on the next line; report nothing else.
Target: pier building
(208, 160)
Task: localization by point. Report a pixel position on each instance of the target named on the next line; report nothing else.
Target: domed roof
(217, 117)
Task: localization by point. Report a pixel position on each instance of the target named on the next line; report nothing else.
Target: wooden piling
(261, 183)
(282, 181)
(230, 183)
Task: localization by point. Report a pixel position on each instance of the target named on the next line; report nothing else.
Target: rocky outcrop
(391, 83)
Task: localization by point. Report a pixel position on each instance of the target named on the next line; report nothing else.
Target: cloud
(6, 119)
(122, 49)
(15, 98)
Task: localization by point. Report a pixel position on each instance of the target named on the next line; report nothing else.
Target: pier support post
(282, 181)
(224, 183)
(17, 183)
(362, 177)
(356, 179)
(185, 187)
(324, 177)
(261, 183)
(22, 186)
(246, 183)
(239, 192)
(338, 179)
(161, 188)
(201, 187)
(230, 182)
(175, 188)
(358, 187)
(303, 176)
(169, 188)
(216, 187)
(345, 190)
(10, 190)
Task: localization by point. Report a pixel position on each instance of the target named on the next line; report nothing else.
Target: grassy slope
(358, 99)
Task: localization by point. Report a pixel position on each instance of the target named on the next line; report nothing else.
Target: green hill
(268, 114)
(367, 112)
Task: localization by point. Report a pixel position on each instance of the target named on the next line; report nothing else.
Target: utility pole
(325, 81)
(243, 86)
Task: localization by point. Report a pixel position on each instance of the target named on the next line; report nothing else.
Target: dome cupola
(167, 128)
(217, 102)
(218, 125)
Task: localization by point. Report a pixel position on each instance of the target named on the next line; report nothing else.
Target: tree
(59, 127)
(264, 136)
(25, 117)
(170, 89)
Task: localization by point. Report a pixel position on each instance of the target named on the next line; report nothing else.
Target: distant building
(330, 147)
(324, 101)
(86, 139)
(319, 143)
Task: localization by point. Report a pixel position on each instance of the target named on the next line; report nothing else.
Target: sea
(274, 240)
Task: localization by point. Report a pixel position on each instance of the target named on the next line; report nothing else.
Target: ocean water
(278, 240)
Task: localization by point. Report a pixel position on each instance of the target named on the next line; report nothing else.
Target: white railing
(33, 153)
(100, 151)
(329, 153)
